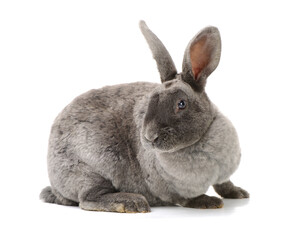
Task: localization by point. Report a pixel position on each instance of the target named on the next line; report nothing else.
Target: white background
(52, 51)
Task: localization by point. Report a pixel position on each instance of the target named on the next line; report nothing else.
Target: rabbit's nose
(151, 136)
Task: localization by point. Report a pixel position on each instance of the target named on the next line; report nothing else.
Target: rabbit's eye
(181, 104)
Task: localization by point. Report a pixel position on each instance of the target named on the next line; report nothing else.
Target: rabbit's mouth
(163, 145)
(155, 145)
(165, 141)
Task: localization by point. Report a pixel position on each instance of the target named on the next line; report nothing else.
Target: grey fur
(127, 147)
(164, 61)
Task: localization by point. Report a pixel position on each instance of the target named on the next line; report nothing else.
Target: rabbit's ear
(164, 61)
(201, 57)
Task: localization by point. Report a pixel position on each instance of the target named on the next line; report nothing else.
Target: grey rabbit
(127, 147)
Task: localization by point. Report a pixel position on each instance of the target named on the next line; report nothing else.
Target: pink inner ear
(200, 56)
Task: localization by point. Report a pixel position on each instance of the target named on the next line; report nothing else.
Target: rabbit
(129, 147)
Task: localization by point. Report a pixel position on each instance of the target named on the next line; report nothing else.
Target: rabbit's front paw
(237, 193)
(229, 190)
(205, 202)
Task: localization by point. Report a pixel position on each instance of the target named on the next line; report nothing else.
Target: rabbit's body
(95, 137)
(126, 147)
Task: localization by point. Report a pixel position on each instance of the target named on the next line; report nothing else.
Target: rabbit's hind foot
(117, 202)
(50, 195)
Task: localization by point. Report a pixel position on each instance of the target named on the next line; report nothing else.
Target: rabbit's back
(96, 134)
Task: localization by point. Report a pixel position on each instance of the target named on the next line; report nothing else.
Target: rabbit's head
(179, 111)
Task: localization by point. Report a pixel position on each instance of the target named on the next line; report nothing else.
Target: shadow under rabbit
(229, 208)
